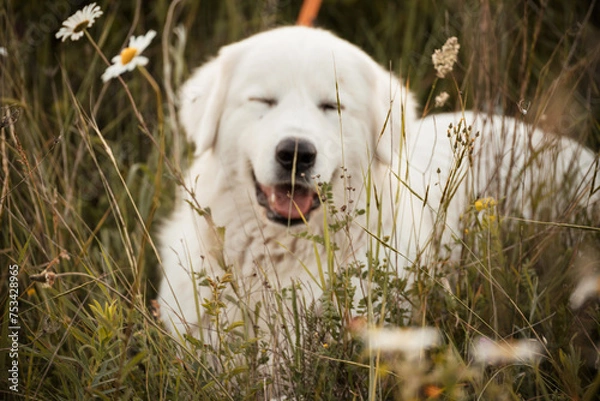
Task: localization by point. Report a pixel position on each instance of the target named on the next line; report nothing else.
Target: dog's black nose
(298, 151)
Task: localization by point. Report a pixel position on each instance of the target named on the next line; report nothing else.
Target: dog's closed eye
(330, 106)
(269, 101)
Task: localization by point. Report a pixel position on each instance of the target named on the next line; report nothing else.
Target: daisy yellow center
(81, 26)
(127, 54)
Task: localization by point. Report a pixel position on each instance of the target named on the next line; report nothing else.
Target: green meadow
(88, 169)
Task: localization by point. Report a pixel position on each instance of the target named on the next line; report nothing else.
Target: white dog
(297, 131)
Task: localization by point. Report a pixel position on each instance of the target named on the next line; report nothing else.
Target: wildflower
(490, 218)
(74, 25)
(3, 51)
(485, 203)
(129, 58)
(433, 391)
(491, 352)
(410, 341)
(446, 285)
(9, 115)
(444, 58)
(155, 308)
(357, 325)
(441, 99)
(46, 278)
(588, 287)
(50, 326)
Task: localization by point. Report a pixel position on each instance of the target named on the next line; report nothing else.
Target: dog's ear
(202, 99)
(394, 113)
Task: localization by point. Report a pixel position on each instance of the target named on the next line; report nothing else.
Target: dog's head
(288, 108)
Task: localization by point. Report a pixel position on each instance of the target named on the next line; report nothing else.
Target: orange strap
(308, 12)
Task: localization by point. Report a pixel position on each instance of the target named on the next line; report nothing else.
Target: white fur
(235, 136)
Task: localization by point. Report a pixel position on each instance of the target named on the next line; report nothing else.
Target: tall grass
(88, 170)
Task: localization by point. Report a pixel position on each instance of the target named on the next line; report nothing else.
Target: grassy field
(88, 170)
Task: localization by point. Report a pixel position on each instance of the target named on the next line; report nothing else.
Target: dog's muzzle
(292, 200)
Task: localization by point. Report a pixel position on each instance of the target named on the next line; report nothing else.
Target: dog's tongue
(280, 200)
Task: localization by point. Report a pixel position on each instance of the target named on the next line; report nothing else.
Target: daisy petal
(74, 26)
(130, 57)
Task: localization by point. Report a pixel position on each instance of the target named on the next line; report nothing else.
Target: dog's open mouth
(286, 203)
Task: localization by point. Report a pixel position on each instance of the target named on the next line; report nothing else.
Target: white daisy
(74, 25)
(588, 287)
(491, 352)
(130, 56)
(411, 341)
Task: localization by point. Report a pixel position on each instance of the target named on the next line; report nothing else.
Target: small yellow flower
(74, 25)
(491, 218)
(130, 57)
(485, 203)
